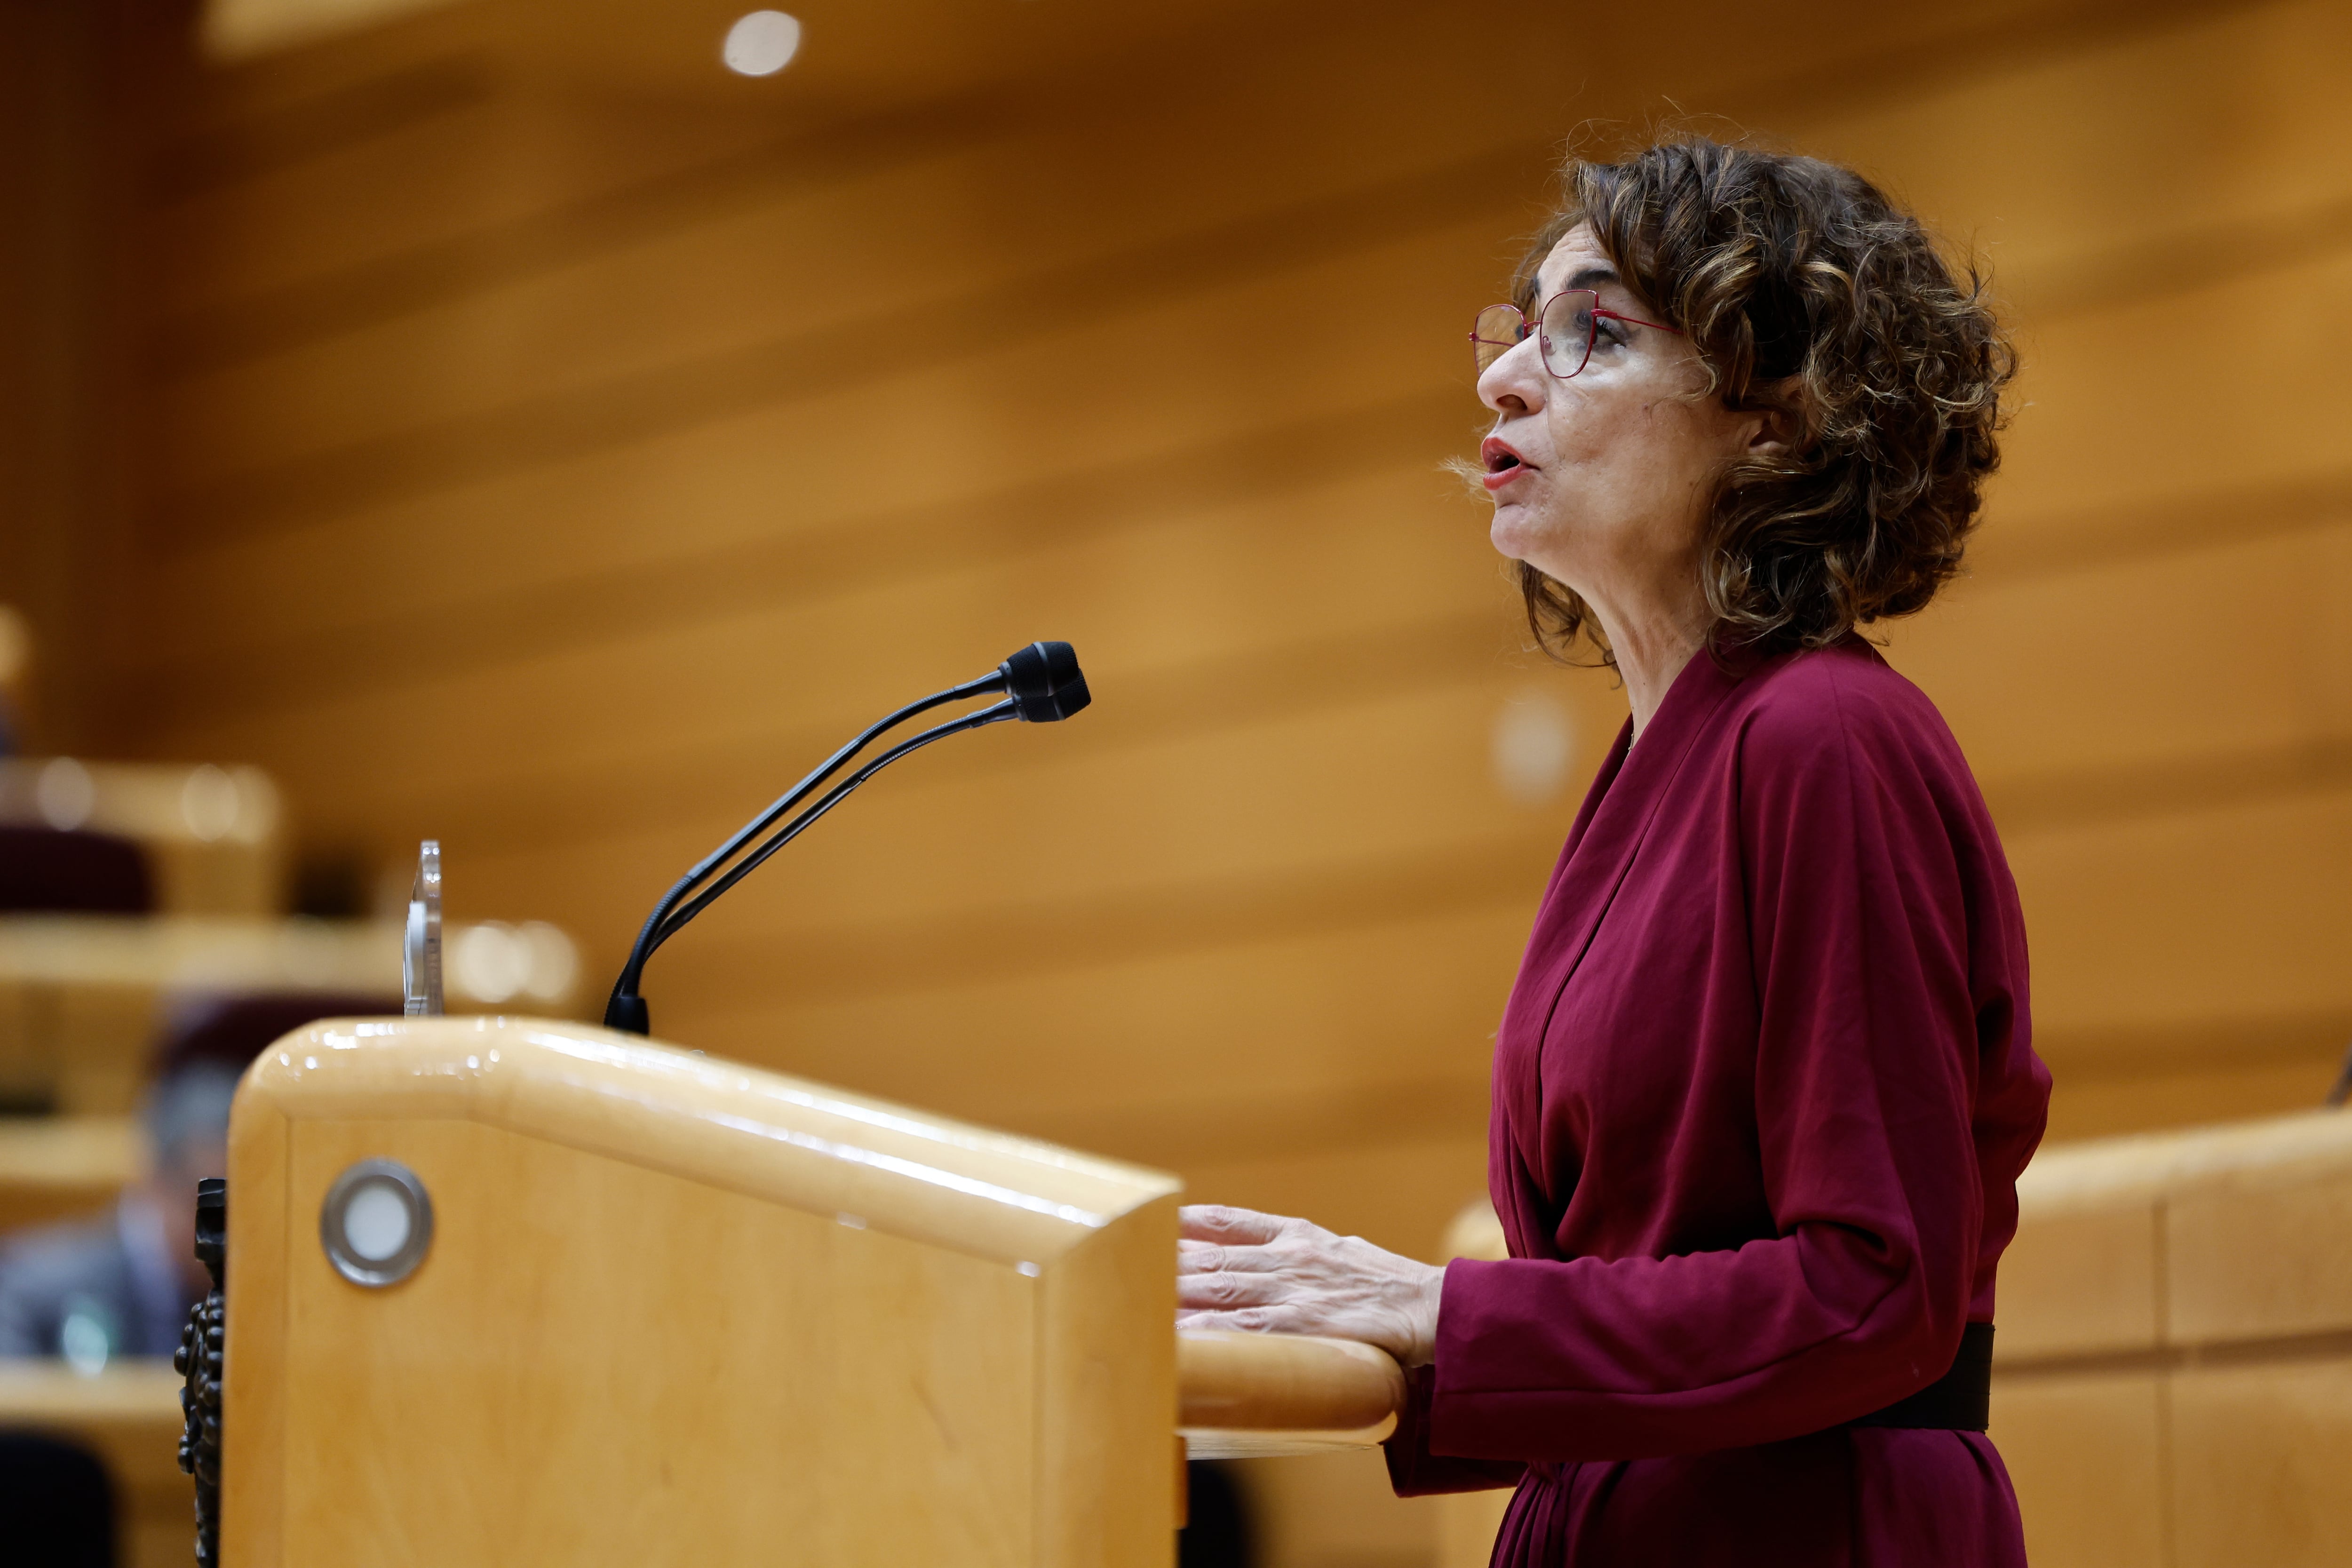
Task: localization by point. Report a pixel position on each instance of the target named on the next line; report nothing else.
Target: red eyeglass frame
(1541, 358)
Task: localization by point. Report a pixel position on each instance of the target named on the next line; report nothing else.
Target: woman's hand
(1236, 1269)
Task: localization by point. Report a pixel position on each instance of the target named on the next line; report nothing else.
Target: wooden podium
(507, 1290)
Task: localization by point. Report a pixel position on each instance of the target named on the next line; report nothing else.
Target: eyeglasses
(1565, 329)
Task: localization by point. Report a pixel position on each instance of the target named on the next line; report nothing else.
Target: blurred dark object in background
(333, 886)
(57, 1507)
(16, 653)
(45, 870)
(120, 1284)
(1216, 1532)
(230, 1028)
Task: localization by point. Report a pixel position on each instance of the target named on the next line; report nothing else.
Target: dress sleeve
(1865, 1071)
(1414, 1471)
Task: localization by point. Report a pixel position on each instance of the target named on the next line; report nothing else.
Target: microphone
(1042, 683)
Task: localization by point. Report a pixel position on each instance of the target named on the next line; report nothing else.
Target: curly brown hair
(1808, 291)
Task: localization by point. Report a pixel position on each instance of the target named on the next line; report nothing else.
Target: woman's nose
(1514, 382)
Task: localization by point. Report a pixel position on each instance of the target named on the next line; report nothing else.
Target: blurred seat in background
(79, 994)
(49, 870)
(145, 958)
(56, 1505)
(121, 1284)
(211, 838)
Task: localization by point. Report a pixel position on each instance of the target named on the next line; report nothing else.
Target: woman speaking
(1764, 1084)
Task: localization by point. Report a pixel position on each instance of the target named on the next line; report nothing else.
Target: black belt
(1958, 1401)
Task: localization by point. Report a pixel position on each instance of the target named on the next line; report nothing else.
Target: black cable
(1042, 683)
(651, 935)
(994, 714)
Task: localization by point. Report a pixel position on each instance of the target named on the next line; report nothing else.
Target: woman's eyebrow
(1594, 275)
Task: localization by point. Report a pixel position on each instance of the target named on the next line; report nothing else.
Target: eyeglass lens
(1567, 331)
(1498, 329)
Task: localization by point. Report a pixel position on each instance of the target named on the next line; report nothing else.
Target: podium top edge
(808, 1145)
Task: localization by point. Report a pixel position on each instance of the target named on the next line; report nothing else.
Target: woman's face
(1602, 480)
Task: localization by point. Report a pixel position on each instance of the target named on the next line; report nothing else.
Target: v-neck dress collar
(1608, 833)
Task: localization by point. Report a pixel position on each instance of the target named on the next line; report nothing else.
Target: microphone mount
(1041, 683)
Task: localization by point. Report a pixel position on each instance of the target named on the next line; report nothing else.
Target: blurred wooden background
(508, 426)
(503, 425)
(516, 430)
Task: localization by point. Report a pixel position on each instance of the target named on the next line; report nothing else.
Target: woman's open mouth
(1503, 465)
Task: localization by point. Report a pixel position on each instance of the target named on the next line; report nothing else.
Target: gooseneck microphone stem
(1042, 682)
(652, 935)
(995, 714)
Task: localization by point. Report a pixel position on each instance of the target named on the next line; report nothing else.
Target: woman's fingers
(1237, 1268)
(1218, 1222)
(1200, 1257)
(1225, 1289)
(1247, 1320)
(1209, 1257)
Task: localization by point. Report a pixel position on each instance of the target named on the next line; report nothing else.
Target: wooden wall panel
(555, 451)
(2135, 698)
(2257, 1451)
(77, 103)
(1146, 1043)
(2270, 401)
(1260, 804)
(2098, 1436)
(559, 466)
(979, 206)
(2119, 950)
(466, 168)
(2123, 167)
(739, 672)
(2251, 1078)
(718, 280)
(860, 449)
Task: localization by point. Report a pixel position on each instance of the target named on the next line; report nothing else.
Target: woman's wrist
(1431, 1299)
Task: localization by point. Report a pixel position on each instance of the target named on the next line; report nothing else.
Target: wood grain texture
(588, 446)
(79, 98)
(648, 331)
(2086, 1454)
(681, 1310)
(2257, 1463)
(711, 1122)
(2176, 1339)
(1283, 1382)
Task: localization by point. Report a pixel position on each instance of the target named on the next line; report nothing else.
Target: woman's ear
(1779, 430)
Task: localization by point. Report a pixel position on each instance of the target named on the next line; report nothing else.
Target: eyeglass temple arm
(1528, 326)
(1636, 320)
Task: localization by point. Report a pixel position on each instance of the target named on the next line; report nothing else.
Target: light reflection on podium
(647, 1305)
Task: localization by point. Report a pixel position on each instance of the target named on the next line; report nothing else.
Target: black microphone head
(1043, 679)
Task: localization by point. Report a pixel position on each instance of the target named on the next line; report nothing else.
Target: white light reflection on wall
(762, 44)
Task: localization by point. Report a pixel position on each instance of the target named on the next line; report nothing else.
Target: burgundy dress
(1762, 1091)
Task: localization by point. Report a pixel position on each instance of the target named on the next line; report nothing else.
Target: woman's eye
(1608, 330)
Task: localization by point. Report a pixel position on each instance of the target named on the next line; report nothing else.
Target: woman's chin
(1515, 532)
